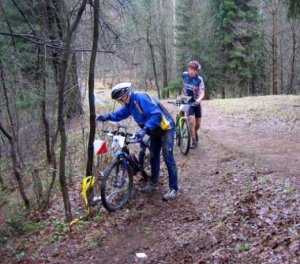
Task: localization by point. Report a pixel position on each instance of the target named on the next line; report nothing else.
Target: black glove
(102, 118)
(140, 134)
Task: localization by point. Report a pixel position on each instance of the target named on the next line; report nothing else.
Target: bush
(173, 88)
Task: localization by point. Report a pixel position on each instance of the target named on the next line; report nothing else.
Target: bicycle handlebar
(178, 103)
(116, 132)
(130, 138)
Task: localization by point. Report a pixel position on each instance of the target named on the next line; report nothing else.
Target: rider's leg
(141, 160)
(192, 127)
(142, 155)
(155, 148)
(198, 115)
(197, 127)
(197, 124)
(168, 155)
(192, 123)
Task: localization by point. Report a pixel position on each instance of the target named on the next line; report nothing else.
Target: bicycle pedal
(95, 201)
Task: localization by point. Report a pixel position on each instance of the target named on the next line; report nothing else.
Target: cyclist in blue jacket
(193, 86)
(153, 120)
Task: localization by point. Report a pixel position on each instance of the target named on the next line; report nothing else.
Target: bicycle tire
(185, 133)
(106, 176)
(177, 138)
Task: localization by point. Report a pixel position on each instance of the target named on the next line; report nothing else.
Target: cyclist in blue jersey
(193, 87)
(154, 120)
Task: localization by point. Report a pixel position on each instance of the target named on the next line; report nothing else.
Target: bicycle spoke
(116, 187)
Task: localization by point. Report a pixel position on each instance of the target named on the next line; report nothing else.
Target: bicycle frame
(182, 121)
(124, 152)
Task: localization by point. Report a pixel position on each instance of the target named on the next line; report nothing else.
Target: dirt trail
(275, 145)
(238, 204)
(208, 222)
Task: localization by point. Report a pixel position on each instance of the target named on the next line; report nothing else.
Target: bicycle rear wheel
(177, 137)
(185, 137)
(116, 185)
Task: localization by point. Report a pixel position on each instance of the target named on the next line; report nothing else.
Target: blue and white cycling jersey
(192, 85)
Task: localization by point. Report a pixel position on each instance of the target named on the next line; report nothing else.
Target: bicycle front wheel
(116, 185)
(185, 136)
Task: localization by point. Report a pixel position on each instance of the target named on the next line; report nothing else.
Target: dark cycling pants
(196, 111)
(166, 143)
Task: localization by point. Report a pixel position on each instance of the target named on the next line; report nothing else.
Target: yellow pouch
(87, 186)
(164, 123)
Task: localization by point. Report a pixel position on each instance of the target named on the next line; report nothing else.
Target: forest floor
(239, 200)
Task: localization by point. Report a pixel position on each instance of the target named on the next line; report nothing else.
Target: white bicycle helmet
(120, 90)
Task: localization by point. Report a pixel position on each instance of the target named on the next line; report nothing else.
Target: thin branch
(23, 15)
(37, 41)
(5, 133)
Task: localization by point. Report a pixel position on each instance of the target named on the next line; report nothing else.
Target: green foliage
(239, 43)
(60, 229)
(18, 224)
(243, 247)
(227, 48)
(173, 88)
(187, 39)
(26, 100)
(3, 237)
(294, 8)
(20, 256)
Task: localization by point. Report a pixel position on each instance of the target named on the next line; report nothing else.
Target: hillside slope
(239, 200)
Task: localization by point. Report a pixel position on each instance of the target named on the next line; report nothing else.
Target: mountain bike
(115, 182)
(183, 130)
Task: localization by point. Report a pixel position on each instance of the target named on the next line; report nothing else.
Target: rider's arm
(201, 90)
(120, 114)
(201, 95)
(184, 90)
(152, 111)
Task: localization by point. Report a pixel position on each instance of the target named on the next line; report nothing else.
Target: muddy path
(239, 203)
(225, 212)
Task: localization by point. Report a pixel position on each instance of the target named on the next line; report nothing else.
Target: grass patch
(96, 242)
(243, 247)
(60, 230)
(18, 224)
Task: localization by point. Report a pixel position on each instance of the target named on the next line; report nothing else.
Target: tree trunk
(293, 61)
(223, 94)
(90, 161)
(60, 117)
(163, 28)
(50, 141)
(53, 12)
(16, 166)
(73, 98)
(275, 48)
(2, 185)
(150, 45)
(12, 142)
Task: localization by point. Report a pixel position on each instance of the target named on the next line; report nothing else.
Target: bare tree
(293, 57)
(64, 63)
(12, 141)
(275, 46)
(89, 168)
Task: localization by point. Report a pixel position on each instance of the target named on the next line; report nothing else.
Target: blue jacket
(192, 85)
(147, 112)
